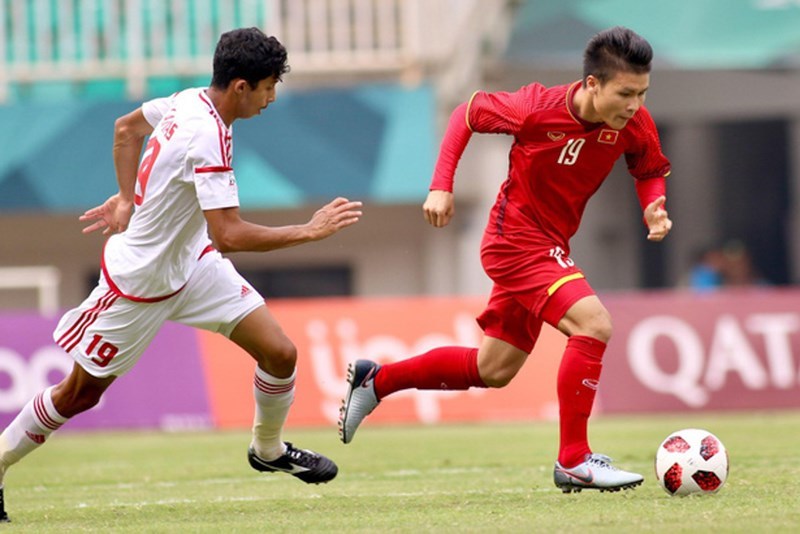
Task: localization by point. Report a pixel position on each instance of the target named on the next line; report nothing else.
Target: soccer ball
(691, 461)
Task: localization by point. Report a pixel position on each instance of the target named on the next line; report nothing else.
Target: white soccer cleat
(594, 473)
(360, 399)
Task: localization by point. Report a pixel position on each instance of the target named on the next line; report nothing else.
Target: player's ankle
(268, 451)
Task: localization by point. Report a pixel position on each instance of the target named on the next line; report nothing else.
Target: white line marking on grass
(440, 471)
(312, 496)
(260, 479)
(506, 491)
(134, 486)
(168, 502)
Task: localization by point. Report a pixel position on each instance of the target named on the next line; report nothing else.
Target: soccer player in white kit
(168, 224)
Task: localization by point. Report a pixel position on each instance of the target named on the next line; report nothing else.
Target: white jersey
(185, 169)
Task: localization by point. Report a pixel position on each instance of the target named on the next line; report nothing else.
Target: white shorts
(108, 333)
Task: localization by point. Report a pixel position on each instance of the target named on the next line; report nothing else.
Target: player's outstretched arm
(439, 208)
(657, 219)
(230, 233)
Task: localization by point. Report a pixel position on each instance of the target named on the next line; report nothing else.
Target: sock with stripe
(30, 429)
(454, 368)
(578, 378)
(273, 398)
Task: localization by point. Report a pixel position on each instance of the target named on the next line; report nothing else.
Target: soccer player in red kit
(566, 140)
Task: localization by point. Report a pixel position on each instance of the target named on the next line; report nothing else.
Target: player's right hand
(439, 208)
(112, 216)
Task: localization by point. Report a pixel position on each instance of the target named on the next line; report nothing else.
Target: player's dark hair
(613, 50)
(247, 53)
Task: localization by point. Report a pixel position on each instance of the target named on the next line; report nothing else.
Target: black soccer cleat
(308, 466)
(3, 515)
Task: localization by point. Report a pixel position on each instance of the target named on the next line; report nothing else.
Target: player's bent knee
(601, 332)
(496, 384)
(280, 358)
(606, 330)
(598, 327)
(498, 378)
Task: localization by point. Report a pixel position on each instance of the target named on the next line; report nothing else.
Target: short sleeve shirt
(186, 168)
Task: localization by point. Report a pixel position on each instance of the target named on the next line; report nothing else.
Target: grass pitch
(470, 478)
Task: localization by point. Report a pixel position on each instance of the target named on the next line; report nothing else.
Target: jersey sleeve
(454, 142)
(154, 109)
(502, 112)
(214, 180)
(650, 189)
(645, 159)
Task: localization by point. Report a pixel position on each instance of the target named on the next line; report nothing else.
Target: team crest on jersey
(556, 136)
(608, 137)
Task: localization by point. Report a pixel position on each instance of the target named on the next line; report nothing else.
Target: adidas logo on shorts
(245, 291)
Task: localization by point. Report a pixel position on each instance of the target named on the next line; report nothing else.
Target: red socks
(456, 368)
(578, 377)
(440, 368)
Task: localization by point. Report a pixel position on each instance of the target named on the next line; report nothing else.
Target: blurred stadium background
(361, 115)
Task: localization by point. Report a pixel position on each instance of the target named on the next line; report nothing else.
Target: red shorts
(535, 281)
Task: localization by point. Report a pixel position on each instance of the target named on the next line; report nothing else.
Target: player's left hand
(332, 217)
(112, 216)
(657, 219)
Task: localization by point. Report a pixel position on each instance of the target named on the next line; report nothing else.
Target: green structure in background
(689, 34)
(371, 143)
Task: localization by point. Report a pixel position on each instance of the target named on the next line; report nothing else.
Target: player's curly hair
(249, 54)
(616, 49)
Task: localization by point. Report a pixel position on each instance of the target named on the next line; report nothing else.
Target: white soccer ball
(691, 461)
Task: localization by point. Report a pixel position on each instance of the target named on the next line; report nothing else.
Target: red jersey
(558, 160)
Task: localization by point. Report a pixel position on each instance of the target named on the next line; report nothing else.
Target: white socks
(273, 398)
(32, 426)
(39, 418)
